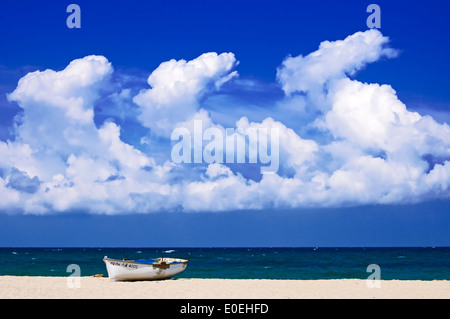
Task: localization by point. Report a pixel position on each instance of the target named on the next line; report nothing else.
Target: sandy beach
(98, 288)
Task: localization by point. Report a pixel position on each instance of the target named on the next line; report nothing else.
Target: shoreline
(39, 287)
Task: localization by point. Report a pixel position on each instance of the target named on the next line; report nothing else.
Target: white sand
(58, 287)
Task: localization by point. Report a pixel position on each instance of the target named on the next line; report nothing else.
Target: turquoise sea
(247, 263)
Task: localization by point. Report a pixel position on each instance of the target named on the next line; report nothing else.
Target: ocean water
(245, 263)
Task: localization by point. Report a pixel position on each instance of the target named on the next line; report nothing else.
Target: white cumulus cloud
(366, 146)
(333, 59)
(177, 86)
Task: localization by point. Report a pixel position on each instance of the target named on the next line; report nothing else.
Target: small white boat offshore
(143, 269)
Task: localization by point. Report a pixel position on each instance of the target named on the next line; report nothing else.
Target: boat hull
(125, 270)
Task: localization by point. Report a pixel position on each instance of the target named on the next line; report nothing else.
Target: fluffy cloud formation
(59, 159)
(333, 60)
(177, 86)
(367, 147)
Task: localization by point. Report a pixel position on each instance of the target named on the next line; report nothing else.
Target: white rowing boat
(143, 269)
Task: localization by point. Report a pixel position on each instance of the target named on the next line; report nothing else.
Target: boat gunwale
(182, 261)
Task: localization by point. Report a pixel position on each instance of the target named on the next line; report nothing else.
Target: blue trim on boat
(144, 261)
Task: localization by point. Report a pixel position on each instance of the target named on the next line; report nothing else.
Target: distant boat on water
(143, 269)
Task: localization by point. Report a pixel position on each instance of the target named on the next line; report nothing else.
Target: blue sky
(361, 114)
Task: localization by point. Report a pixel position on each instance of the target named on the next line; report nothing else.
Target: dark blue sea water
(247, 263)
